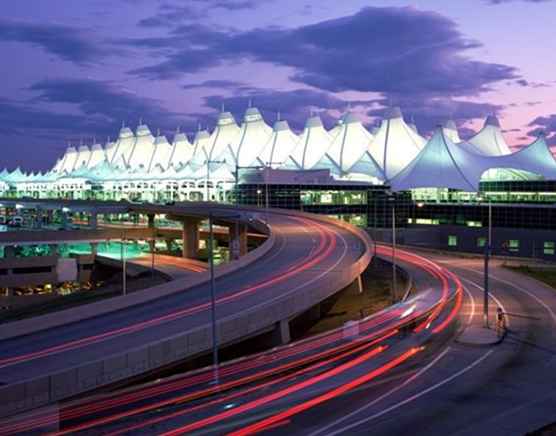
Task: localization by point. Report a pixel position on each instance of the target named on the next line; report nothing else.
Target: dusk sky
(75, 70)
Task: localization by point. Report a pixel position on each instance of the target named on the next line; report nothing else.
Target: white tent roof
(441, 164)
(182, 150)
(451, 131)
(201, 145)
(225, 133)
(350, 143)
(162, 153)
(143, 149)
(123, 147)
(84, 155)
(60, 163)
(253, 136)
(97, 155)
(70, 160)
(279, 146)
(490, 141)
(313, 143)
(395, 144)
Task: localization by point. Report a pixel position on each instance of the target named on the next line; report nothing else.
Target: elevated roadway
(305, 259)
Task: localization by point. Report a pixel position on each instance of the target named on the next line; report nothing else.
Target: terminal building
(439, 191)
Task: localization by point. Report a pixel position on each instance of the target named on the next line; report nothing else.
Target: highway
(378, 381)
(328, 365)
(305, 252)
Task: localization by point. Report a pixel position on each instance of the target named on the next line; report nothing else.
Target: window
(513, 245)
(452, 241)
(481, 242)
(549, 247)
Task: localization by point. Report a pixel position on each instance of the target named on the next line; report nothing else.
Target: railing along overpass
(305, 259)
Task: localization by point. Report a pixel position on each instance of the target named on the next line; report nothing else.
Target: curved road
(306, 250)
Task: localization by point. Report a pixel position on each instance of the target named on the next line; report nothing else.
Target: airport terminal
(444, 190)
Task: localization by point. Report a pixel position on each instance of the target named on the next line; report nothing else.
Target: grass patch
(545, 275)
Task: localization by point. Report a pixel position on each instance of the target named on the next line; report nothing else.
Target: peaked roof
(162, 153)
(225, 133)
(490, 141)
(123, 147)
(451, 131)
(182, 151)
(313, 143)
(253, 136)
(143, 149)
(395, 144)
(280, 144)
(441, 164)
(351, 142)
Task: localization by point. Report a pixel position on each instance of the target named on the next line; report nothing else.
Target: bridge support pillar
(238, 240)
(190, 237)
(281, 333)
(150, 220)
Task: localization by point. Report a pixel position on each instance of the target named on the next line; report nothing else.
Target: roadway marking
(472, 314)
(533, 296)
(519, 288)
(383, 396)
(413, 397)
(491, 295)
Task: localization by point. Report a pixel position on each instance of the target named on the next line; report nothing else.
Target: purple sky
(73, 70)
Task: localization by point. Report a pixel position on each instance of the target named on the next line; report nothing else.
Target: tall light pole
(213, 294)
(213, 300)
(123, 254)
(488, 248)
(392, 200)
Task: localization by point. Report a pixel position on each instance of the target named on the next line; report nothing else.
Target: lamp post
(213, 300)
(122, 255)
(392, 199)
(488, 248)
(213, 290)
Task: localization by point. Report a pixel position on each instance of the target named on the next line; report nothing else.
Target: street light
(392, 199)
(487, 252)
(213, 292)
(124, 266)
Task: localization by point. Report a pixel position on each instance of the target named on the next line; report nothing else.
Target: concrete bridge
(304, 260)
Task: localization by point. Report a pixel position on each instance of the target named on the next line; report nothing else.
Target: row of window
(511, 245)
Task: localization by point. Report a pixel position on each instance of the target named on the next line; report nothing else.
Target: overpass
(304, 260)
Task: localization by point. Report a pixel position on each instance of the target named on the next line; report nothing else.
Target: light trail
(273, 420)
(326, 246)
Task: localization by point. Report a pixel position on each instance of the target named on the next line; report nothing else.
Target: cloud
(499, 2)
(546, 124)
(171, 14)
(295, 106)
(429, 113)
(220, 84)
(105, 100)
(424, 55)
(68, 43)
